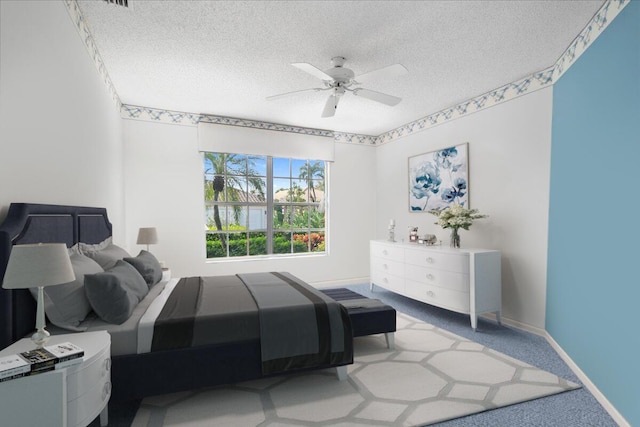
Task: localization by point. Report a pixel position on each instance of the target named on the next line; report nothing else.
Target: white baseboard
(518, 325)
(617, 417)
(613, 412)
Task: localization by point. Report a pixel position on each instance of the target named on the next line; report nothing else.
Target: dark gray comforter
(298, 326)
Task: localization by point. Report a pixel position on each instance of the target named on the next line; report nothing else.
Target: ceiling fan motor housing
(341, 76)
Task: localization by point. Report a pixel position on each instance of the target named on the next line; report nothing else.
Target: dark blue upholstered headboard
(36, 223)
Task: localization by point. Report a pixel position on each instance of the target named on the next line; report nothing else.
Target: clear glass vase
(455, 238)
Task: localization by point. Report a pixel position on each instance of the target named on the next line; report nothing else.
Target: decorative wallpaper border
(85, 34)
(190, 119)
(594, 28)
(539, 80)
(158, 115)
(206, 118)
(355, 138)
(502, 94)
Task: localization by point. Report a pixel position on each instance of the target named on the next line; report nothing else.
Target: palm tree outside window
(263, 205)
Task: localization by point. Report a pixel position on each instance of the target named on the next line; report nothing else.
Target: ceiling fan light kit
(340, 80)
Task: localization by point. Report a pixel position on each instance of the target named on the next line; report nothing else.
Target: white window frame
(270, 205)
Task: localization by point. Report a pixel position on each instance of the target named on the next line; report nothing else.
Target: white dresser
(462, 280)
(69, 397)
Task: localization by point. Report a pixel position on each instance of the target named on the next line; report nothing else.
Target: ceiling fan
(339, 80)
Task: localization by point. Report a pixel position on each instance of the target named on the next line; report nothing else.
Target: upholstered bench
(368, 316)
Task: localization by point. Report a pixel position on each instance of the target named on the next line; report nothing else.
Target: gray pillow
(148, 266)
(67, 305)
(105, 253)
(114, 293)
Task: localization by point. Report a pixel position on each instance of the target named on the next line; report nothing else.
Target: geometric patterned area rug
(432, 375)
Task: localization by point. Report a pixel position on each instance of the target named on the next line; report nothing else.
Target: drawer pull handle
(106, 390)
(385, 280)
(385, 266)
(107, 365)
(430, 294)
(384, 252)
(429, 260)
(430, 276)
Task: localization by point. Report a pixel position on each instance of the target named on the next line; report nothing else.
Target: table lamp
(38, 265)
(147, 236)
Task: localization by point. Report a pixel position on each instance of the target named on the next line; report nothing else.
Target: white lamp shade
(147, 236)
(41, 264)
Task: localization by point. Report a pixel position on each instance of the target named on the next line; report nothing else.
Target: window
(263, 205)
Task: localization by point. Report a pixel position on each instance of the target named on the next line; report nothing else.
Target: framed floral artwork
(439, 178)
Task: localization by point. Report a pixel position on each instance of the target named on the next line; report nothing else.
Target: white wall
(164, 189)
(61, 142)
(60, 131)
(509, 162)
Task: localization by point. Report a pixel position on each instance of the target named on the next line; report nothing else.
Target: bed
(169, 367)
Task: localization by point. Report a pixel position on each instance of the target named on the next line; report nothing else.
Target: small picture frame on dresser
(413, 234)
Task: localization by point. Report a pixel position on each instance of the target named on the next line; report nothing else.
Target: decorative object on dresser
(392, 230)
(67, 396)
(456, 217)
(147, 236)
(463, 280)
(438, 179)
(413, 234)
(430, 239)
(38, 265)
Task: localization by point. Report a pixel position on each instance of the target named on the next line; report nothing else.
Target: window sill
(271, 257)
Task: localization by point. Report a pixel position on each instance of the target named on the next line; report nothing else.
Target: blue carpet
(576, 408)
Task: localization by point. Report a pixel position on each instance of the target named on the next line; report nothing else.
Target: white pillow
(67, 305)
(104, 253)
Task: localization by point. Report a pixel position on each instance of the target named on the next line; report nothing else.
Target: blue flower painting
(439, 179)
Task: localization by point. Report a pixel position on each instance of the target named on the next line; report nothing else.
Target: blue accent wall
(593, 273)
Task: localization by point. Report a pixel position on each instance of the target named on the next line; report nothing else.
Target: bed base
(132, 376)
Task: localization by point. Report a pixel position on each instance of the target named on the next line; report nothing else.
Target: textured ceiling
(225, 57)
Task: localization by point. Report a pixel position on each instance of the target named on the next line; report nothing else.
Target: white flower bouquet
(456, 217)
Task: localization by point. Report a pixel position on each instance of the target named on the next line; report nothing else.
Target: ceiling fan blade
(377, 96)
(330, 106)
(282, 95)
(314, 71)
(392, 71)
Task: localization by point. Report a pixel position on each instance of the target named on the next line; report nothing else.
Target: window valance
(246, 140)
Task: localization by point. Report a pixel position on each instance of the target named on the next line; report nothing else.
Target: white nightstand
(67, 397)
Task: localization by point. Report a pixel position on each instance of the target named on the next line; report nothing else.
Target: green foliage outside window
(235, 188)
(257, 245)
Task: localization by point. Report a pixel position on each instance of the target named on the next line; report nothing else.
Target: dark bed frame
(132, 376)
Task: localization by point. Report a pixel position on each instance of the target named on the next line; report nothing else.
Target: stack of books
(39, 360)
(12, 367)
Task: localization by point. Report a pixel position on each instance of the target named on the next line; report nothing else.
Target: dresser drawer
(443, 278)
(445, 298)
(387, 251)
(387, 266)
(387, 281)
(83, 377)
(87, 407)
(450, 261)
